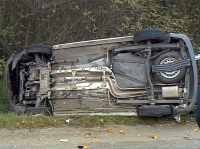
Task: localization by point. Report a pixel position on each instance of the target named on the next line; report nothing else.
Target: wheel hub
(171, 74)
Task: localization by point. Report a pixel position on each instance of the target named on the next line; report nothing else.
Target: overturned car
(150, 74)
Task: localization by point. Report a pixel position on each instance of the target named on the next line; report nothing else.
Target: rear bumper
(194, 81)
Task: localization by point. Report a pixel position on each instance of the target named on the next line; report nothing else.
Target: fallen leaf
(97, 137)
(195, 130)
(87, 136)
(109, 130)
(102, 120)
(122, 132)
(154, 137)
(82, 147)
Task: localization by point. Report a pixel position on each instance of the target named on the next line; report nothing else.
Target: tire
(173, 76)
(153, 35)
(38, 48)
(156, 111)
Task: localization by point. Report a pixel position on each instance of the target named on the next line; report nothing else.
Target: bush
(2, 64)
(4, 106)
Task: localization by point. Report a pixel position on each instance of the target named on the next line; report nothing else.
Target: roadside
(171, 135)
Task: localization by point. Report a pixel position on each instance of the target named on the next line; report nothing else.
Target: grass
(14, 121)
(4, 106)
(11, 120)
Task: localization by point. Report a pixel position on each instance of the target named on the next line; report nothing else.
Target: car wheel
(153, 35)
(19, 109)
(172, 76)
(38, 49)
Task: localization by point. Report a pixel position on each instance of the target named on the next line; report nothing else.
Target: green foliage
(151, 14)
(2, 64)
(52, 22)
(4, 106)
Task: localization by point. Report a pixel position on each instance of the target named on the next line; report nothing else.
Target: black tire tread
(38, 48)
(157, 35)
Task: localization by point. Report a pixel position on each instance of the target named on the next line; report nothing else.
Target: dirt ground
(169, 136)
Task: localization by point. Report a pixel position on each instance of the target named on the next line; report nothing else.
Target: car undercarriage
(150, 74)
